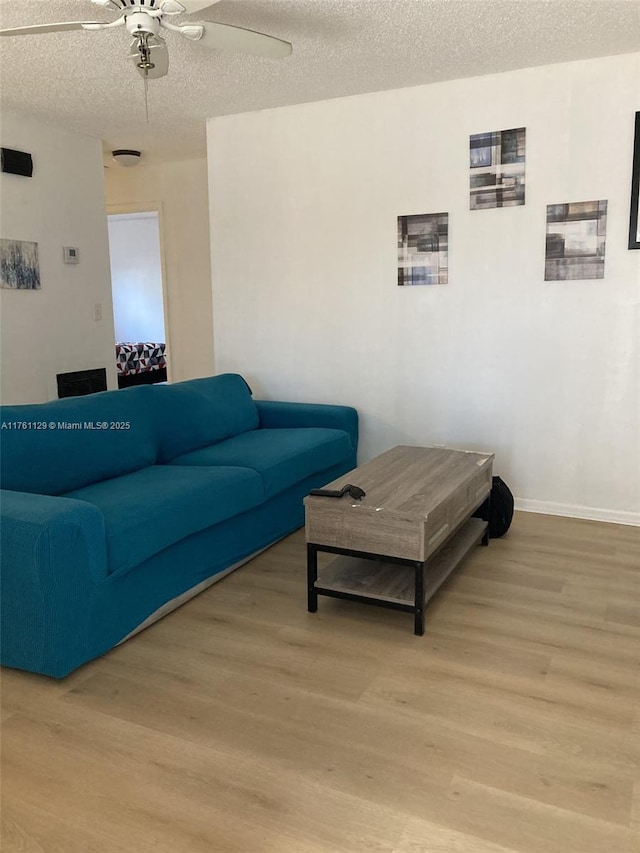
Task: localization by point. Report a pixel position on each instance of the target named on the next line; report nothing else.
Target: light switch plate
(71, 255)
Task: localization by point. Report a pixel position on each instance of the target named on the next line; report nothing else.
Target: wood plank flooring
(242, 724)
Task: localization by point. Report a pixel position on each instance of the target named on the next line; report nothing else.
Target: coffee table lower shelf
(390, 581)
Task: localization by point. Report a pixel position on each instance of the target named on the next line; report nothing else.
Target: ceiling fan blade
(239, 40)
(160, 59)
(50, 28)
(193, 6)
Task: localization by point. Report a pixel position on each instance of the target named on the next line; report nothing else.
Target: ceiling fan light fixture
(126, 157)
(145, 20)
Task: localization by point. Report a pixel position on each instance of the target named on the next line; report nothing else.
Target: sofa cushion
(193, 414)
(66, 447)
(281, 456)
(149, 510)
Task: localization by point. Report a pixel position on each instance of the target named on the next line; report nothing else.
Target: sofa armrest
(53, 553)
(278, 415)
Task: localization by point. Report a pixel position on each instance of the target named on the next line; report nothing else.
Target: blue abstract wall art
(19, 265)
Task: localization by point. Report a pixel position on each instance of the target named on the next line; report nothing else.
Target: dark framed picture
(634, 224)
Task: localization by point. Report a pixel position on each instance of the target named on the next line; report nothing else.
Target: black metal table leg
(419, 601)
(486, 515)
(312, 577)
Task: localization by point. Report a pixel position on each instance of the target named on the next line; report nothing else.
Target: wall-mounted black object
(17, 162)
(82, 382)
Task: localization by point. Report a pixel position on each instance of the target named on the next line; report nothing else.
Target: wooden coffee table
(398, 544)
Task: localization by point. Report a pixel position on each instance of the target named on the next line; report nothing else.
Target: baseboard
(576, 511)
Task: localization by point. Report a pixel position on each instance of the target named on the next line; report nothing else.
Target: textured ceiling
(83, 80)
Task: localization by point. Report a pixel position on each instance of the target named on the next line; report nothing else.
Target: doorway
(138, 298)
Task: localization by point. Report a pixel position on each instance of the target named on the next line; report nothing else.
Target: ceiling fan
(144, 20)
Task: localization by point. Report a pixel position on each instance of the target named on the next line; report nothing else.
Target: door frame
(152, 207)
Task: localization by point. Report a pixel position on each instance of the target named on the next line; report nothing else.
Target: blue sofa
(114, 504)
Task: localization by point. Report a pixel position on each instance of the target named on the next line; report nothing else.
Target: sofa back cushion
(193, 414)
(53, 448)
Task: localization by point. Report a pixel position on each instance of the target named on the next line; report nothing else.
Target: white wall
(179, 191)
(304, 202)
(52, 330)
(136, 277)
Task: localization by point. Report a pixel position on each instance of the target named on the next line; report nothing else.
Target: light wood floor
(242, 723)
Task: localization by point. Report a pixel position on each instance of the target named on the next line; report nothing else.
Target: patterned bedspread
(140, 357)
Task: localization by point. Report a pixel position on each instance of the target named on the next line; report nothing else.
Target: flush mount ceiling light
(126, 156)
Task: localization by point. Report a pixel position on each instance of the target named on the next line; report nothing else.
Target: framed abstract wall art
(634, 221)
(497, 164)
(423, 249)
(575, 241)
(19, 265)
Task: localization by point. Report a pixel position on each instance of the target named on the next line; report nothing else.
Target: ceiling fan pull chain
(146, 94)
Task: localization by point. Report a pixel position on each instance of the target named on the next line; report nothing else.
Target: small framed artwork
(634, 221)
(19, 265)
(497, 164)
(423, 249)
(576, 234)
